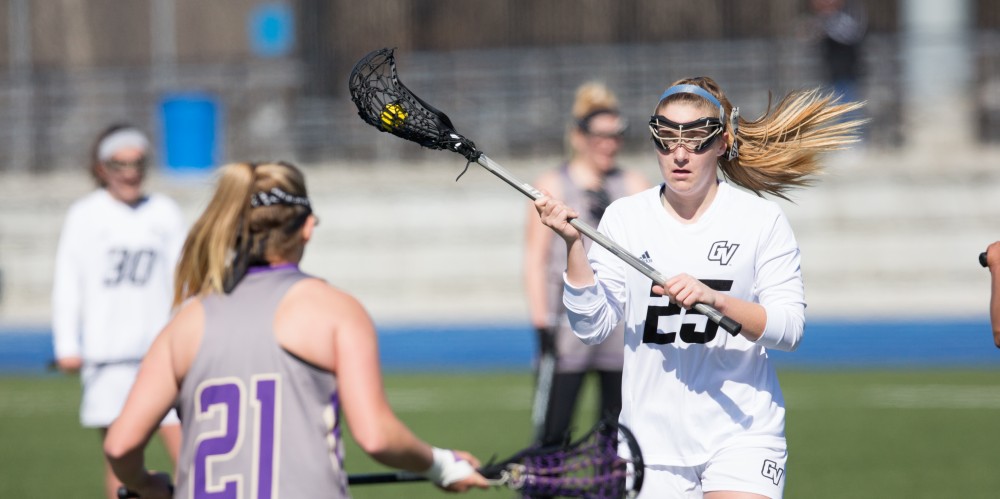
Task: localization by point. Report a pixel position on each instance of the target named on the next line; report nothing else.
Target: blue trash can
(190, 124)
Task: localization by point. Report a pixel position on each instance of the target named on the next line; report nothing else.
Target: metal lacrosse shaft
(543, 392)
(726, 323)
(386, 477)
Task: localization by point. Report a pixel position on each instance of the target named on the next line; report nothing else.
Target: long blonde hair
(780, 149)
(230, 231)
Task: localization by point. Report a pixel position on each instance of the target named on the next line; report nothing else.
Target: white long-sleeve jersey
(113, 280)
(689, 387)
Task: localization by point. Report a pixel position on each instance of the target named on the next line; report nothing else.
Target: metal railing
(513, 102)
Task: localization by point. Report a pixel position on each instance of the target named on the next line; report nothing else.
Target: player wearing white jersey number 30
(113, 281)
(705, 405)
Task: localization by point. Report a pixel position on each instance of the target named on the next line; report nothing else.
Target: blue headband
(696, 90)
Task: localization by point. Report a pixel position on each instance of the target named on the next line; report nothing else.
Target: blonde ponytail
(781, 149)
(210, 244)
(234, 232)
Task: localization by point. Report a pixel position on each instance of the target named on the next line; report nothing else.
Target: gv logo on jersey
(772, 471)
(722, 252)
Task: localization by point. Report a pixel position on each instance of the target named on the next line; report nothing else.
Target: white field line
(432, 400)
(403, 400)
(933, 396)
(36, 404)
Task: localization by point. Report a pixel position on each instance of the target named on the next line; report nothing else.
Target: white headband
(120, 139)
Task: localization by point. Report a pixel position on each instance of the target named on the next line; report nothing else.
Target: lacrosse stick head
(606, 463)
(386, 104)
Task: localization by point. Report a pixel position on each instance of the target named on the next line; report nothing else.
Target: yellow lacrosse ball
(392, 116)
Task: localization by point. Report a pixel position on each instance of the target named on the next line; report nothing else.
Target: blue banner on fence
(191, 128)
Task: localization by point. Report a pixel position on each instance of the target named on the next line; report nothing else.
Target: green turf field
(852, 434)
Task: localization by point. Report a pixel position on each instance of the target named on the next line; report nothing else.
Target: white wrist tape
(448, 468)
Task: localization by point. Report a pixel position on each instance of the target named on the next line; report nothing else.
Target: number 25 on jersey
(688, 329)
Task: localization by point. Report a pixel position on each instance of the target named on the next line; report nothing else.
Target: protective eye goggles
(667, 135)
(584, 125)
(695, 136)
(116, 165)
(614, 135)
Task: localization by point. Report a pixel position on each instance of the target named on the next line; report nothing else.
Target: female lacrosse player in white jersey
(705, 405)
(261, 359)
(113, 281)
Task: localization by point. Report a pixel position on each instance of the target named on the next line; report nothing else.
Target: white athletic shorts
(758, 470)
(105, 389)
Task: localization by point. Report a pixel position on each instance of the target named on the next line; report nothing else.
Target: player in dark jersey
(262, 360)
(588, 181)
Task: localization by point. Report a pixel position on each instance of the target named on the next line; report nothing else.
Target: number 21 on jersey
(224, 400)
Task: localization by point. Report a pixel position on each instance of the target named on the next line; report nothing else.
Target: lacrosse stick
(543, 385)
(605, 463)
(385, 103)
(124, 493)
